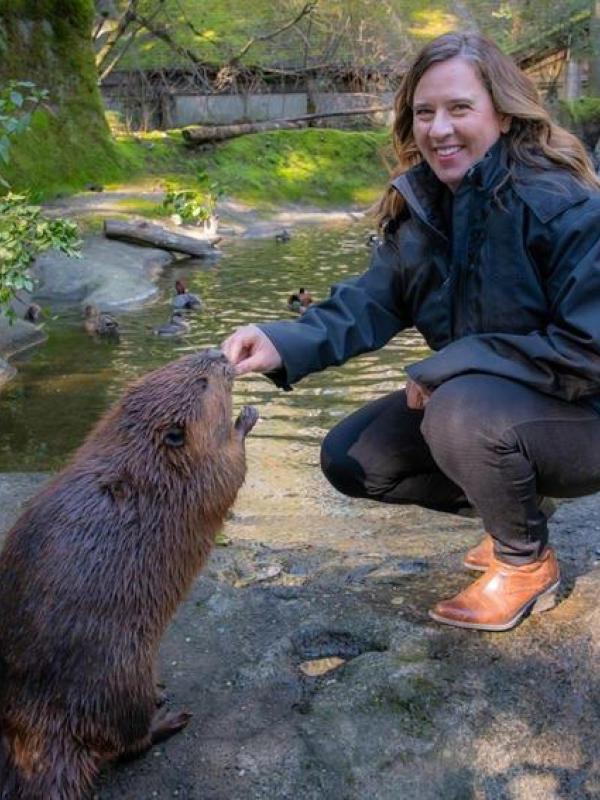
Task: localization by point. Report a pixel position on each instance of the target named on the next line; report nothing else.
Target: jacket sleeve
(361, 314)
(564, 358)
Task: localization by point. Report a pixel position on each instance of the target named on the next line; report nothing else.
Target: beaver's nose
(214, 354)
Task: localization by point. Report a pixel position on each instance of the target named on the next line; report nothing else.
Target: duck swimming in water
(184, 299)
(33, 313)
(100, 323)
(283, 236)
(176, 326)
(299, 301)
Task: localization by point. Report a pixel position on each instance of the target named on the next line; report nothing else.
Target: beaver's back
(66, 575)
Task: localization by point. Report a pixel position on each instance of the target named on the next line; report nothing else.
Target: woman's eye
(423, 114)
(174, 437)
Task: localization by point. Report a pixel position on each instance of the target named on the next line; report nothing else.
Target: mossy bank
(320, 167)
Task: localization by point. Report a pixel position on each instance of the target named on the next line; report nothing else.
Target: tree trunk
(572, 78)
(594, 79)
(148, 235)
(203, 134)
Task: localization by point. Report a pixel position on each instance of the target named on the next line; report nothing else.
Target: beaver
(94, 569)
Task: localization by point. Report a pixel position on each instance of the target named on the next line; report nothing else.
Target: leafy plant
(191, 205)
(24, 231)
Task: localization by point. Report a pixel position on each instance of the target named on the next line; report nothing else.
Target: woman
(492, 250)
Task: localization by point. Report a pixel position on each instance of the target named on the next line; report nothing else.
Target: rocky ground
(407, 708)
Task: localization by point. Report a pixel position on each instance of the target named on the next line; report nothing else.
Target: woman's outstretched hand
(251, 350)
(417, 396)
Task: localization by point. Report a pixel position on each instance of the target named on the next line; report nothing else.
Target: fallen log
(149, 235)
(207, 134)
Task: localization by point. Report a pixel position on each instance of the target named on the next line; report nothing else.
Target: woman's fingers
(232, 348)
(251, 350)
(417, 396)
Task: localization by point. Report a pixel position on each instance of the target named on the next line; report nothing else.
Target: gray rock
(108, 275)
(15, 489)
(7, 372)
(18, 336)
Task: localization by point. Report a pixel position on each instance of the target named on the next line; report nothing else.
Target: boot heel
(545, 601)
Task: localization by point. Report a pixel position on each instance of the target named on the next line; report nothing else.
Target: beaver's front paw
(246, 420)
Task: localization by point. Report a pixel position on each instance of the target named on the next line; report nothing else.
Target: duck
(299, 301)
(283, 236)
(99, 323)
(176, 326)
(185, 299)
(33, 313)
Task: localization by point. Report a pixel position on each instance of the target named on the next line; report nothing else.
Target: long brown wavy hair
(533, 138)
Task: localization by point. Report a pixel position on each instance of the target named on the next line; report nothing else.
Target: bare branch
(200, 34)
(124, 22)
(308, 8)
(165, 36)
(107, 70)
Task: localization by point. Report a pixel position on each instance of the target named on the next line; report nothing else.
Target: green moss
(326, 168)
(48, 42)
(321, 167)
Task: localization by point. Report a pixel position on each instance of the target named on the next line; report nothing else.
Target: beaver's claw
(246, 420)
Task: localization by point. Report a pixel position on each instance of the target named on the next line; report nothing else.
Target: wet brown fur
(93, 570)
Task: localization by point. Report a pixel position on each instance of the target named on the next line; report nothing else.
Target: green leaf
(16, 98)
(4, 149)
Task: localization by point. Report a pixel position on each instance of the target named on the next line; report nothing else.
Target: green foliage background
(69, 143)
(340, 31)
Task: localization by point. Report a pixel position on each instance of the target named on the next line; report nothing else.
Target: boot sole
(543, 602)
(475, 567)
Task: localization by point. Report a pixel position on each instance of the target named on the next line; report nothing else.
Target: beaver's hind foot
(165, 724)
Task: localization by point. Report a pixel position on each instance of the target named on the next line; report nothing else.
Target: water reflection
(63, 387)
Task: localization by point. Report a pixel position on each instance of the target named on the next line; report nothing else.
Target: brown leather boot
(503, 595)
(480, 556)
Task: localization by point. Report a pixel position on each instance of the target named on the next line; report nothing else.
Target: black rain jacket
(513, 292)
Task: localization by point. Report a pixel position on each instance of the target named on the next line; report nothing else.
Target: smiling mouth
(450, 150)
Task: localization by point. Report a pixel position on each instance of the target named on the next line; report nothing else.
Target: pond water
(64, 386)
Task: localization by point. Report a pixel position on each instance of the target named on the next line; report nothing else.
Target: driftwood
(149, 235)
(204, 134)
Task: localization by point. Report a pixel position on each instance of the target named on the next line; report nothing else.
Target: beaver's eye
(174, 437)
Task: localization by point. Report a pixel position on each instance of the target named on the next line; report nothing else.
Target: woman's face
(454, 120)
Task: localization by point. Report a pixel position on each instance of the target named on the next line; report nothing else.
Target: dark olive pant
(482, 441)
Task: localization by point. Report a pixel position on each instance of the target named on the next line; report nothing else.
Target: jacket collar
(423, 191)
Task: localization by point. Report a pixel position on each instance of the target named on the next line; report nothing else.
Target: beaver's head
(175, 422)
